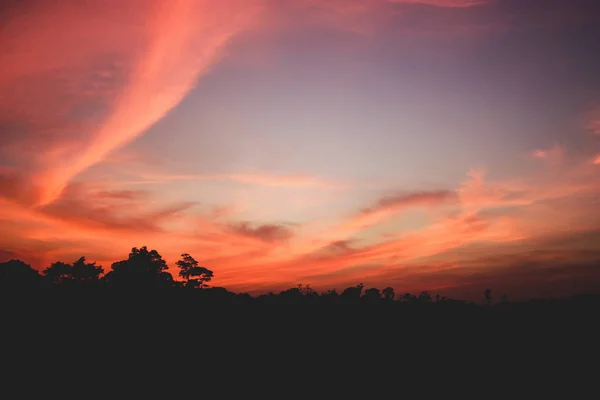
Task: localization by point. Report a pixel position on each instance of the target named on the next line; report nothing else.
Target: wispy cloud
(444, 3)
(391, 205)
(178, 41)
(594, 126)
(85, 94)
(270, 233)
(363, 17)
(490, 213)
(163, 75)
(262, 179)
(554, 154)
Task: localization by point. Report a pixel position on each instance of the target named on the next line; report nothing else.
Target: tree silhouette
(425, 297)
(409, 298)
(142, 270)
(58, 273)
(86, 272)
(309, 295)
(78, 274)
(146, 269)
(388, 294)
(306, 290)
(15, 274)
(329, 297)
(292, 295)
(195, 276)
(352, 294)
(372, 296)
(268, 298)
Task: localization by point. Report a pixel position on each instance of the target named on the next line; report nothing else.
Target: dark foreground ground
(87, 342)
(207, 312)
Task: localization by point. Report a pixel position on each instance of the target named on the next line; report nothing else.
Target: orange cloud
(95, 219)
(186, 38)
(495, 214)
(119, 82)
(391, 205)
(131, 75)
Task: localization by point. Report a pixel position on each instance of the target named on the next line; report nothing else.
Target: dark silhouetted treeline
(145, 270)
(81, 312)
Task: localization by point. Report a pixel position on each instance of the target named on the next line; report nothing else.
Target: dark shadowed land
(80, 313)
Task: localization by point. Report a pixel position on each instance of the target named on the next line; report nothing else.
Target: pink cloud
(244, 254)
(261, 179)
(364, 17)
(594, 126)
(554, 154)
(391, 205)
(138, 69)
(490, 213)
(120, 81)
(590, 120)
(186, 38)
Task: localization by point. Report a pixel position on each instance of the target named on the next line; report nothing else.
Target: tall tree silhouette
(352, 294)
(78, 274)
(195, 275)
(143, 269)
(372, 295)
(86, 274)
(58, 274)
(388, 294)
(15, 274)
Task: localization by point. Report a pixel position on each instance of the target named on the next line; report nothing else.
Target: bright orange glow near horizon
(420, 144)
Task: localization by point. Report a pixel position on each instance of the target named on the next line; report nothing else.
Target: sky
(440, 145)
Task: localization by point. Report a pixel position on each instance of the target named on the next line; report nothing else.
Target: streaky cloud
(388, 206)
(186, 38)
(261, 179)
(444, 3)
(271, 233)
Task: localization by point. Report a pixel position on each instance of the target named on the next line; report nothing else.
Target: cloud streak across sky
(184, 38)
(361, 140)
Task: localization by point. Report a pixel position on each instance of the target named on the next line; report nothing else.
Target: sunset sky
(441, 145)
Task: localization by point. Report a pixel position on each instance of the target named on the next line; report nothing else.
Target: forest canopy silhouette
(145, 270)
